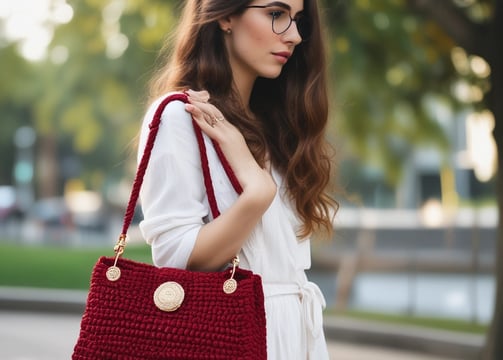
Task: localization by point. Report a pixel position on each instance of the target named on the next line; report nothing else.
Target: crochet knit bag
(138, 311)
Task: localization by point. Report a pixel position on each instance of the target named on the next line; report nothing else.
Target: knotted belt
(312, 301)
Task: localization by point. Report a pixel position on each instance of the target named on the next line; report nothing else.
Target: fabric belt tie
(312, 301)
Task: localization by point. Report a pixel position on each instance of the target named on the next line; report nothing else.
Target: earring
(228, 31)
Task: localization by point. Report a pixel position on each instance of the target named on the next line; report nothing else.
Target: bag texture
(121, 320)
(136, 311)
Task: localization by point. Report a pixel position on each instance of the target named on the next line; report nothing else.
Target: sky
(31, 23)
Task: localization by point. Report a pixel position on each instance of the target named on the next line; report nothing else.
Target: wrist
(259, 189)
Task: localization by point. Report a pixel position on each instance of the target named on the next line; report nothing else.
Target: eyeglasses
(281, 20)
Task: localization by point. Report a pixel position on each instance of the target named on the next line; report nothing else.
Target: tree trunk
(494, 344)
(47, 167)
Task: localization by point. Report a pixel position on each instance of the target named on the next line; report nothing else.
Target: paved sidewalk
(51, 336)
(419, 340)
(352, 351)
(48, 321)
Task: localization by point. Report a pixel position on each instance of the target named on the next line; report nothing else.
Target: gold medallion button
(113, 273)
(169, 296)
(230, 286)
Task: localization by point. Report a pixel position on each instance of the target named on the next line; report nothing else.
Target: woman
(262, 66)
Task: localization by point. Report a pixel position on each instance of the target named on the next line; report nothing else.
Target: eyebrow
(280, 4)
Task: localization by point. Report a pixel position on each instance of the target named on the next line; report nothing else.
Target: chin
(271, 74)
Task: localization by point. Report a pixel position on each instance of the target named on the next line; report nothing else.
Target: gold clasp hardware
(121, 244)
(113, 272)
(230, 285)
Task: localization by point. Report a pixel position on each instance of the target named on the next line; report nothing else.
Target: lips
(282, 56)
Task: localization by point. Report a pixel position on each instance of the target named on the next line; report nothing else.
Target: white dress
(174, 204)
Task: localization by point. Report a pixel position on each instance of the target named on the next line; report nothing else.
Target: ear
(225, 24)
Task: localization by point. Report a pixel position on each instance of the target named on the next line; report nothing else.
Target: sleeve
(173, 194)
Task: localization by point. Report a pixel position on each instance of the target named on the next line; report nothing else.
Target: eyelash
(276, 13)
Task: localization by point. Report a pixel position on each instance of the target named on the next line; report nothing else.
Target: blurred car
(51, 212)
(49, 220)
(8, 204)
(88, 210)
(80, 217)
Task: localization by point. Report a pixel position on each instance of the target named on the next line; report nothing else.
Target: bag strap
(142, 167)
(206, 170)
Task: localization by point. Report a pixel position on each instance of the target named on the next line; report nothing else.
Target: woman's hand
(211, 121)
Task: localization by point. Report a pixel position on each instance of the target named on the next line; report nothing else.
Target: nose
(292, 34)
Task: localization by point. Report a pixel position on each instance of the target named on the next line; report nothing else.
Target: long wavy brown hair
(288, 115)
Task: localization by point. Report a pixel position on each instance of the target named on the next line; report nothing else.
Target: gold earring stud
(228, 31)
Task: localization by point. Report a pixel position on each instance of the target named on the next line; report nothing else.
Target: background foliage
(86, 99)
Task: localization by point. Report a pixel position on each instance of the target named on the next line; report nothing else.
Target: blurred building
(463, 175)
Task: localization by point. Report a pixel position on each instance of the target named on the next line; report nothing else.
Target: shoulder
(176, 130)
(170, 107)
(172, 112)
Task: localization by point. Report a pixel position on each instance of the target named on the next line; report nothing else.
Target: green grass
(70, 268)
(56, 267)
(428, 322)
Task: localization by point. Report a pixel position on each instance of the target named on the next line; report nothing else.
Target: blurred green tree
(95, 80)
(389, 65)
(91, 85)
(16, 96)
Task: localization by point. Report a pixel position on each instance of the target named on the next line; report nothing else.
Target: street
(51, 336)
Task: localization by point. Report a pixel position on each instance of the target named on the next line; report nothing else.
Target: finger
(214, 120)
(200, 96)
(210, 113)
(210, 120)
(200, 116)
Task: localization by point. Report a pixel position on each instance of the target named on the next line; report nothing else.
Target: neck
(244, 87)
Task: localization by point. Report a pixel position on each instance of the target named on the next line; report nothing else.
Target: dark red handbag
(138, 311)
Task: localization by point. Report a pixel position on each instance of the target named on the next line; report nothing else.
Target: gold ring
(221, 118)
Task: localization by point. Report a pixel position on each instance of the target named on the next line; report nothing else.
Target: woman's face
(254, 48)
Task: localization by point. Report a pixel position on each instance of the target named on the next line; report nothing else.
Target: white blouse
(175, 207)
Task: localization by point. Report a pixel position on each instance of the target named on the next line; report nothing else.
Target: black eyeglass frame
(272, 22)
